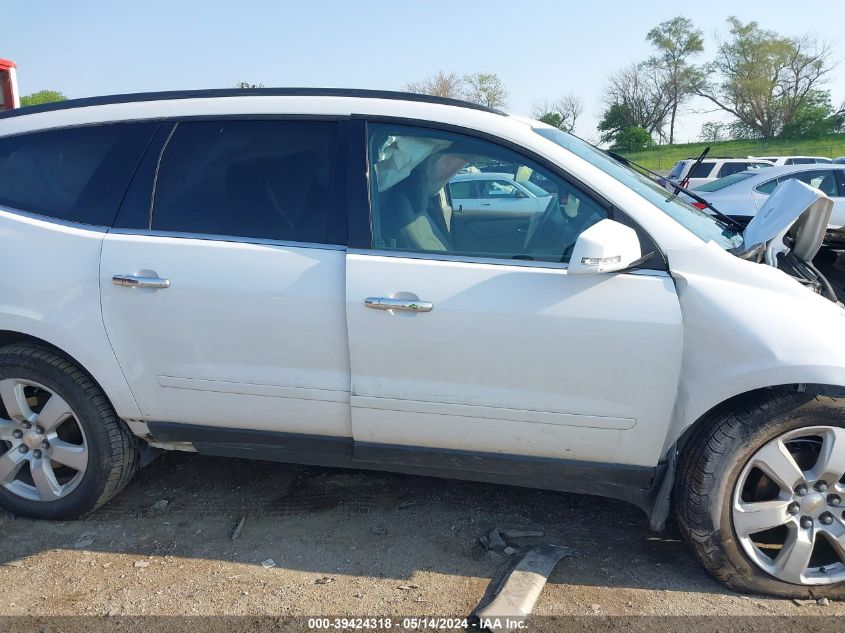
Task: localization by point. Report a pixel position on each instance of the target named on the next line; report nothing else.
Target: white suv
(688, 174)
(279, 274)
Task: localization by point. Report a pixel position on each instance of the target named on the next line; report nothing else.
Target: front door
(227, 310)
(492, 350)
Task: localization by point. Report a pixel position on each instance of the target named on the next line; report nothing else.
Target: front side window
(500, 189)
(258, 178)
(416, 175)
(74, 174)
(822, 180)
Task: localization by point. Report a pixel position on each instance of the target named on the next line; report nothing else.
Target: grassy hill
(662, 158)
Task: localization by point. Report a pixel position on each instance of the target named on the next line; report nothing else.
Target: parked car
(710, 169)
(742, 194)
(283, 278)
(839, 160)
(780, 161)
(485, 193)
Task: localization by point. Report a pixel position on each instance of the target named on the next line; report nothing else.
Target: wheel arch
(122, 400)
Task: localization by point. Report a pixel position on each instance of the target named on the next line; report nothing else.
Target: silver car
(741, 195)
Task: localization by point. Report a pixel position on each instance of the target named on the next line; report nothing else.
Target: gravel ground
(352, 543)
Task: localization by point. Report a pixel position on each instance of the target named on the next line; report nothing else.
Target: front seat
(405, 219)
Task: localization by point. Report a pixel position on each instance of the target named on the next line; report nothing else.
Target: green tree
(42, 96)
(814, 118)
(763, 78)
(619, 130)
(676, 40)
(632, 139)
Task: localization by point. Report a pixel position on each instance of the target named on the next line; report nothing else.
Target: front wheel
(63, 450)
(760, 495)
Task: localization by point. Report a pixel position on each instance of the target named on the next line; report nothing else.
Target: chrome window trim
(466, 259)
(97, 228)
(236, 239)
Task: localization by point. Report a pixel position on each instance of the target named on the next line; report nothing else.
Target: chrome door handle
(137, 281)
(400, 305)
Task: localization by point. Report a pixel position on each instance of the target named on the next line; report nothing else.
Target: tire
(112, 450)
(721, 454)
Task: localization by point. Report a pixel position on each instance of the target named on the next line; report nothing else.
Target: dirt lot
(348, 543)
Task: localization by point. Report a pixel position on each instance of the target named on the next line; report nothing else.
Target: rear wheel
(63, 450)
(761, 495)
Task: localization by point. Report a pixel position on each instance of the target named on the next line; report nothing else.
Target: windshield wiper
(691, 170)
(655, 177)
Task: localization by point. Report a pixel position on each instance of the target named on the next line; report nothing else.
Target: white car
(688, 174)
(273, 274)
(743, 194)
(780, 161)
(491, 193)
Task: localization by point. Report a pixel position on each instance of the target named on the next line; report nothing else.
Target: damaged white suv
(282, 275)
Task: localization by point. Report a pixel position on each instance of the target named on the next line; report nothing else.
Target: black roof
(243, 92)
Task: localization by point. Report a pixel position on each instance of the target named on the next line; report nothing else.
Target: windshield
(727, 181)
(699, 222)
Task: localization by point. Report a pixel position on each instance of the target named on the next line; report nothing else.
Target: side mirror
(605, 247)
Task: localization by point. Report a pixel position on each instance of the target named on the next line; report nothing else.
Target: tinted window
(75, 174)
(728, 169)
(701, 170)
(263, 179)
(409, 168)
(822, 180)
(461, 189)
(801, 161)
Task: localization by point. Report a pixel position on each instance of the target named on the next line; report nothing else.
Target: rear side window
(257, 178)
(74, 174)
(702, 170)
(728, 169)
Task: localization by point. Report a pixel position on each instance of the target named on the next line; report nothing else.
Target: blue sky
(540, 49)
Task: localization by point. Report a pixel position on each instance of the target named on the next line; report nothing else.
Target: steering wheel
(552, 233)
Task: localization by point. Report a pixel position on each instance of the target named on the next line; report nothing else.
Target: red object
(8, 85)
(699, 205)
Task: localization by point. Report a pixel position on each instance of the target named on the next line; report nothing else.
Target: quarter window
(259, 179)
(412, 167)
(74, 174)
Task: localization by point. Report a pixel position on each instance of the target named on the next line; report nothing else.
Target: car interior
(413, 208)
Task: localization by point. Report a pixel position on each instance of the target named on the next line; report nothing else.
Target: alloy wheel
(789, 506)
(43, 449)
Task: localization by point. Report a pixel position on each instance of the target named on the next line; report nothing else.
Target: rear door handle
(400, 305)
(137, 281)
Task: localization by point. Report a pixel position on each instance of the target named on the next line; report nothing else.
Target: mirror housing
(605, 247)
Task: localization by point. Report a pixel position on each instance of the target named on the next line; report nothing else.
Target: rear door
(223, 284)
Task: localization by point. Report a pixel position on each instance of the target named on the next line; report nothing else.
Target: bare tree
(640, 90)
(486, 89)
(439, 85)
(676, 40)
(561, 113)
(763, 78)
(712, 132)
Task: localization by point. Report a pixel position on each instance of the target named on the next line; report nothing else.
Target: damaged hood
(795, 209)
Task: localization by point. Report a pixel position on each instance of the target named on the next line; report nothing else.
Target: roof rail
(245, 92)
